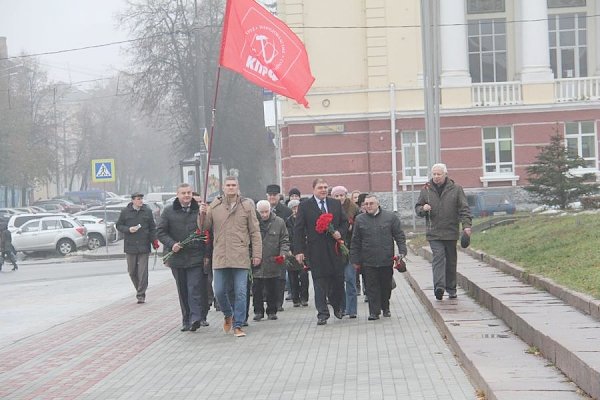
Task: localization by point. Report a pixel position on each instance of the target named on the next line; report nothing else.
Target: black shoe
(304, 303)
(373, 317)
(15, 268)
(452, 296)
(280, 309)
(204, 323)
(387, 313)
(245, 323)
(272, 317)
(195, 326)
(321, 321)
(258, 317)
(288, 298)
(296, 304)
(439, 293)
(185, 328)
(139, 300)
(338, 314)
(366, 299)
(352, 316)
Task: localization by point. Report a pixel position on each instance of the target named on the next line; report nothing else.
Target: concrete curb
(582, 302)
(496, 358)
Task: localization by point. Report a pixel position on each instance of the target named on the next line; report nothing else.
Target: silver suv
(63, 234)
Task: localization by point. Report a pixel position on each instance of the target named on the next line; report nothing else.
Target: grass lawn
(563, 248)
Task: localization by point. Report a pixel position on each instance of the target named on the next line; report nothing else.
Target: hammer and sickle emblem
(267, 50)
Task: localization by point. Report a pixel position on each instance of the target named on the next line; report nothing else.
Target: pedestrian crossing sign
(103, 170)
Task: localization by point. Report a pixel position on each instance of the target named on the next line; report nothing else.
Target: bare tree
(173, 70)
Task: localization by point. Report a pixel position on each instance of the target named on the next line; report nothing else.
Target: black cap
(273, 189)
(136, 194)
(294, 191)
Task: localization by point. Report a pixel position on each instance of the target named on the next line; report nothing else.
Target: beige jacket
(235, 233)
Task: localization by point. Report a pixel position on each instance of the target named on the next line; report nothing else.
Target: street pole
(278, 146)
(393, 140)
(429, 48)
(56, 144)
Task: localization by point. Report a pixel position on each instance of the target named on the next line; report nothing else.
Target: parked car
(30, 209)
(68, 206)
(63, 234)
(112, 216)
(10, 211)
(100, 232)
(159, 196)
(156, 208)
(17, 220)
(484, 204)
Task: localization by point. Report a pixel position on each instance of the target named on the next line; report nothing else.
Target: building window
(498, 150)
(568, 45)
(487, 50)
(414, 150)
(484, 6)
(565, 3)
(581, 141)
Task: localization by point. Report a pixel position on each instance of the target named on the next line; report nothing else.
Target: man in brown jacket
(233, 221)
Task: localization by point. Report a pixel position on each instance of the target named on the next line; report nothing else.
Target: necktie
(323, 211)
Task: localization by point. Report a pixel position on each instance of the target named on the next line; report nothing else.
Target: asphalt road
(46, 293)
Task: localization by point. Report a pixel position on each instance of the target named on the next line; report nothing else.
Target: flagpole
(210, 141)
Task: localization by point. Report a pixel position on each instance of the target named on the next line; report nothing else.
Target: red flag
(264, 50)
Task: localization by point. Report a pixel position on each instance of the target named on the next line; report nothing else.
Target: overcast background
(40, 26)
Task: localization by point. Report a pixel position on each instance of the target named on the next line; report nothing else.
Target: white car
(63, 234)
(99, 231)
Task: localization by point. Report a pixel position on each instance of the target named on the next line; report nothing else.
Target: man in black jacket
(283, 212)
(139, 230)
(372, 251)
(326, 261)
(178, 221)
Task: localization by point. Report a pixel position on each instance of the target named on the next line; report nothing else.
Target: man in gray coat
(275, 247)
(372, 251)
(444, 205)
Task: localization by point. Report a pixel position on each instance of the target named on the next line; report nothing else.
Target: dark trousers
(192, 296)
(137, 267)
(444, 265)
(269, 287)
(299, 285)
(328, 288)
(11, 257)
(378, 285)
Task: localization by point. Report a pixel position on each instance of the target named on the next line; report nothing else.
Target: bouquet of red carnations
(324, 225)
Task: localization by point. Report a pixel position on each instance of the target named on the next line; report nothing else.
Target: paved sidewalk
(131, 351)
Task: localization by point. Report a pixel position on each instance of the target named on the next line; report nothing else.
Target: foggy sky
(38, 26)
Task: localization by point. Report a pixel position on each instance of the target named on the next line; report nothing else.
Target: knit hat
(338, 190)
(294, 191)
(293, 203)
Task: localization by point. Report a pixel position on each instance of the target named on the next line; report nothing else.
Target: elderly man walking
(444, 205)
(137, 225)
(236, 232)
(372, 251)
(275, 247)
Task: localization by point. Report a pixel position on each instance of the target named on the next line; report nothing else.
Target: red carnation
(322, 225)
(279, 259)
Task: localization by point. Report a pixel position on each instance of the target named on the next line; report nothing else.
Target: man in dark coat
(139, 233)
(372, 251)
(283, 212)
(178, 221)
(444, 205)
(6, 247)
(326, 264)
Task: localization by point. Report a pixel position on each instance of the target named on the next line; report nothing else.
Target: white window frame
(498, 175)
(412, 149)
(579, 136)
(493, 22)
(558, 49)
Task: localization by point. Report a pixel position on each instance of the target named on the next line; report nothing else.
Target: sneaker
(272, 317)
(439, 293)
(228, 321)
(238, 332)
